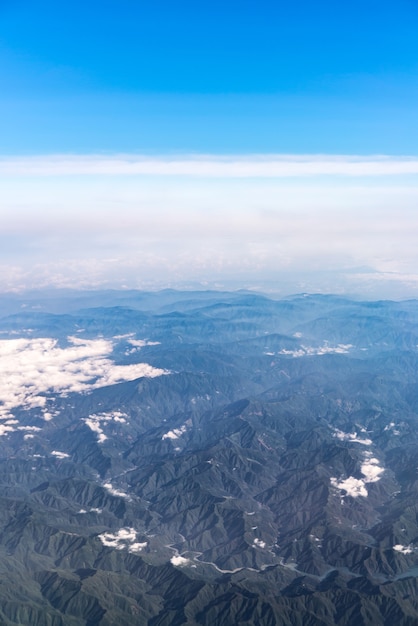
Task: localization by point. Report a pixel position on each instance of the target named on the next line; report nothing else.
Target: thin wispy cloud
(219, 166)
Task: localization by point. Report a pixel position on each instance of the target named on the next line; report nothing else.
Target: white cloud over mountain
(354, 487)
(32, 368)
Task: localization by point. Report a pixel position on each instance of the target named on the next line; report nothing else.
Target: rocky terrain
(208, 458)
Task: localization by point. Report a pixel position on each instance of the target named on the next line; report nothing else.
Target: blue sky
(242, 81)
(174, 75)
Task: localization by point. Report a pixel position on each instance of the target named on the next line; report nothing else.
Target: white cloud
(4, 430)
(60, 455)
(96, 428)
(355, 487)
(115, 492)
(179, 561)
(32, 367)
(351, 437)
(140, 343)
(96, 421)
(372, 470)
(137, 547)
(209, 165)
(403, 549)
(123, 539)
(175, 433)
(391, 427)
(341, 348)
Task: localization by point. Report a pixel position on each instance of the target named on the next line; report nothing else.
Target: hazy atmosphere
(153, 145)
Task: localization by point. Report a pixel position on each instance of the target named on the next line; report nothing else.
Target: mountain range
(208, 458)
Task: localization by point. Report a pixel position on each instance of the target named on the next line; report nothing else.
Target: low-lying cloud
(30, 369)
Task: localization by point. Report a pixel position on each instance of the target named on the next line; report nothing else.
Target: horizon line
(258, 165)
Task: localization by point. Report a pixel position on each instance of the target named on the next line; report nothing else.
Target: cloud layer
(229, 166)
(32, 368)
(306, 223)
